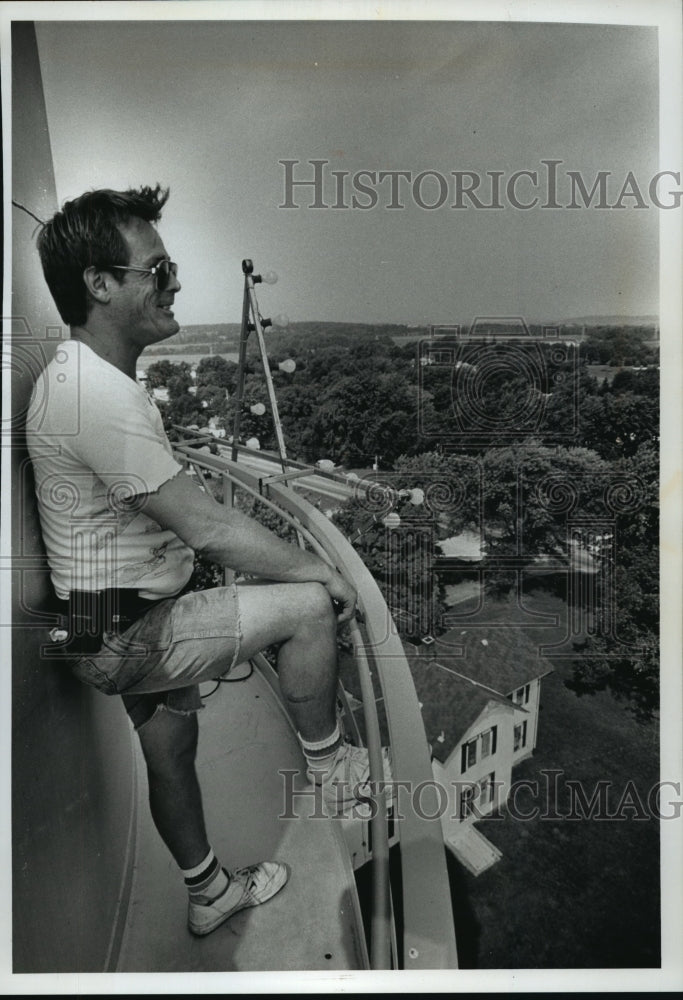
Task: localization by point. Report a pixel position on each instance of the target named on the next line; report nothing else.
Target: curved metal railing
(428, 938)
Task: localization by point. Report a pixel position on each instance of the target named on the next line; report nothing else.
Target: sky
(211, 108)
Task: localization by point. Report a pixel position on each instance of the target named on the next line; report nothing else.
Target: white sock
(207, 880)
(317, 752)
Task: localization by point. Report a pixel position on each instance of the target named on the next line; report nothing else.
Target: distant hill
(207, 338)
(206, 333)
(226, 335)
(648, 320)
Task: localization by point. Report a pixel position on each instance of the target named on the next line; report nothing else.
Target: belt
(91, 613)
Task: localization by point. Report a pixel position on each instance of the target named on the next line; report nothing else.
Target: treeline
(352, 399)
(620, 346)
(347, 402)
(204, 333)
(521, 435)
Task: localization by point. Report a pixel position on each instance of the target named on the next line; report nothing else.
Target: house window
(468, 756)
(483, 745)
(486, 788)
(521, 695)
(520, 735)
(466, 799)
(480, 792)
(488, 741)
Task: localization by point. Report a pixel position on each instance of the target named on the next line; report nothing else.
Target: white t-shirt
(96, 440)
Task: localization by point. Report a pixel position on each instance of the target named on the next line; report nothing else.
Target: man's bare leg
(169, 744)
(302, 618)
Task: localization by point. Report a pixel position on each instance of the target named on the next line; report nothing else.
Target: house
(457, 557)
(467, 546)
(479, 690)
(216, 427)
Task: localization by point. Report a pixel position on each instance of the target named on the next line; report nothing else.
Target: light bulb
(258, 409)
(417, 496)
(287, 366)
(282, 319)
(391, 521)
(253, 443)
(269, 277)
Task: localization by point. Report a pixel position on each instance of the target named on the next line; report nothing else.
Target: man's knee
(315, 605)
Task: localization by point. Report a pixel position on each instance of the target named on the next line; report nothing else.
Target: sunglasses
(162, 272)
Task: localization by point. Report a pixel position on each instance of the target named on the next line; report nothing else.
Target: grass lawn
(567, 893)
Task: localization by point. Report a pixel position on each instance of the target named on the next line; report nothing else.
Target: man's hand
(342, 593)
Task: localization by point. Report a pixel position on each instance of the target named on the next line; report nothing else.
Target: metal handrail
(380, 918)
(380, 930)
(428, 932)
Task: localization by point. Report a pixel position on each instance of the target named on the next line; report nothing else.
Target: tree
(218, 371)
(182, 409)
(251, 424)
(212, 398)
(556, 486)
(612, 420)
(399, 552)
(616, 345)
(630, 675)
(160, 372)
(630, 421)
(523, 489)
(178, 384)
(365, 413)
(297, 405)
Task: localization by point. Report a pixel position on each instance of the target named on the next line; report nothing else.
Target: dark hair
(85, 234)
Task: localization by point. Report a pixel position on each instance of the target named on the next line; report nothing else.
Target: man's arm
(228, 537)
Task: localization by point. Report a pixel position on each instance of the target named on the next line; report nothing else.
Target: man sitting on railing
(121, 523)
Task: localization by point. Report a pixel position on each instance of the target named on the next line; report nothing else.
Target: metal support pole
(282, 451)
(251, 320)
(244, 335)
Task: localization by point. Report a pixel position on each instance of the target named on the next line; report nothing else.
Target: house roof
(449, 704)
(498, 656)
(453, 690)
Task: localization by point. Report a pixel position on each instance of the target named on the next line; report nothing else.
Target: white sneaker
(344, 781)
(247, 887)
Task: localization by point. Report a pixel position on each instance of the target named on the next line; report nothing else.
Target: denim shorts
(163, 657)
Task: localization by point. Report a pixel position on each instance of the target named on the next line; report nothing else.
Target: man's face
(142, 313)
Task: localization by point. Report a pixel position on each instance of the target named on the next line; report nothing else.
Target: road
(267, 466)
